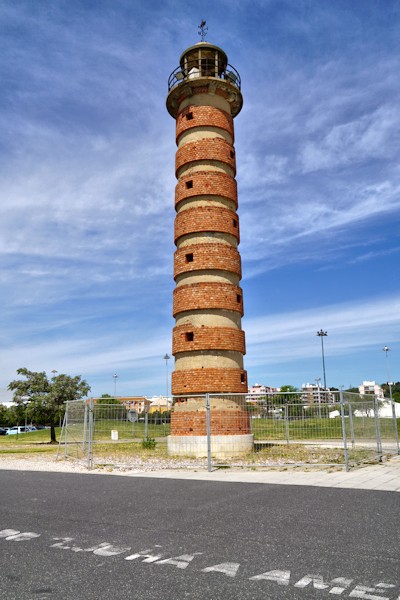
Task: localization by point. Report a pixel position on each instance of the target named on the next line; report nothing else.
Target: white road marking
(280, 577)
(12, 535)
(181, 562)
(230, 569)
(337, 586)
(318, 583)
(360, 591)
(147, 558)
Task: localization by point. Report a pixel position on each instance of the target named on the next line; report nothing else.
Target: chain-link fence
(109, 433)
(335, 429)
(267, 430)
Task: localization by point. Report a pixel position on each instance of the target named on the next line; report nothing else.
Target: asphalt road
(69, 536)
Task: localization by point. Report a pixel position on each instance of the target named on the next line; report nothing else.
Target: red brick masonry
(186, 338)
(222, 423)
(200, 381)
(206, 183)
(207, 256)
(209, 149)
(203, 116)
(208, 295)
(206, 218)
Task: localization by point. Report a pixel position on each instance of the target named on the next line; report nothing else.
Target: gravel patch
(135, 465)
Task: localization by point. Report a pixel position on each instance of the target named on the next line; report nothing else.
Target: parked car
(20, 429)
(3, 431)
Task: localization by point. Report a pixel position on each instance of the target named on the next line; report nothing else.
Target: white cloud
(350, 326)
(369, 137)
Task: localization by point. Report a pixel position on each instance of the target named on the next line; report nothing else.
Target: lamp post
(115, 377)
(321, 334)
(318, 380)
(386, 350)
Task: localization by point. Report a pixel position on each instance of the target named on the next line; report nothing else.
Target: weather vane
(203, 30)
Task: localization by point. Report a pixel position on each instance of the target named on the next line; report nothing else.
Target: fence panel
(338, 429)
(109, 433)
(73, 438)
(280, 429)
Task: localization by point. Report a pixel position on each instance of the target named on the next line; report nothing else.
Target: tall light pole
(318, 380)
(115, 377)
(386, 350)
(321, 334)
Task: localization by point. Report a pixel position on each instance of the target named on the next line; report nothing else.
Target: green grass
(42, 436)
(303, 454)
(128, 431)
(325, 429)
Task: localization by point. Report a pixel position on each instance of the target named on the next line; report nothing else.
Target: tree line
(40, 399)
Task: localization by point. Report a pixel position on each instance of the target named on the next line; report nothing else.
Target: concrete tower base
(222, 446)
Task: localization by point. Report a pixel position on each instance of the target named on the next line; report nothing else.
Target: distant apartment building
(312, 393)
(370, 388)
(258, 391)
(257, 388)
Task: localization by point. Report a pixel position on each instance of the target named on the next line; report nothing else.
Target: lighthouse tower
(208, 340)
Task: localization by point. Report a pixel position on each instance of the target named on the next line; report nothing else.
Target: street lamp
(323, 334)
(318, 380)
(386, 350)
(115, 377)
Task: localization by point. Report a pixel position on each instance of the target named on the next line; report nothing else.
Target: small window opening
(232, 153)
(242, 380)
(189, 335)
(189, 116)
(234, 222)
(238, 298)
(189, 184)
(189, 257)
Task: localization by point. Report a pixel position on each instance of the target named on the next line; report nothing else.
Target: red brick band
(206, 183)
(206, 218)
(221, 421)
(209, 149)
(201, 381)
(186, 338)
(208, 295)
(203, 116)
(207, 256)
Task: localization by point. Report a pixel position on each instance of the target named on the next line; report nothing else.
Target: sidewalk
(382, 477)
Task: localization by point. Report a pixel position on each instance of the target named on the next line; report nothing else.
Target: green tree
(44, 399)
(4, 416)
(287, 395)
(106, 408)
(395, 391)
(107, 399)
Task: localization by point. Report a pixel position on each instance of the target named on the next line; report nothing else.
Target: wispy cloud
(87, 178)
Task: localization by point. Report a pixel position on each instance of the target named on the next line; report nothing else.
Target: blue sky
(87, 186)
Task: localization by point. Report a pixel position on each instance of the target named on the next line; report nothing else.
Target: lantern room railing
(204, 68)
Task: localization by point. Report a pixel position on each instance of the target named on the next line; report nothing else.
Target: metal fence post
(146, 424)
(377, 428)
(351, 424)
(208, 427)
(90, 437)
(63, 431)
(84, 428)
(286, 411)
(396, 431)
(345, 450)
